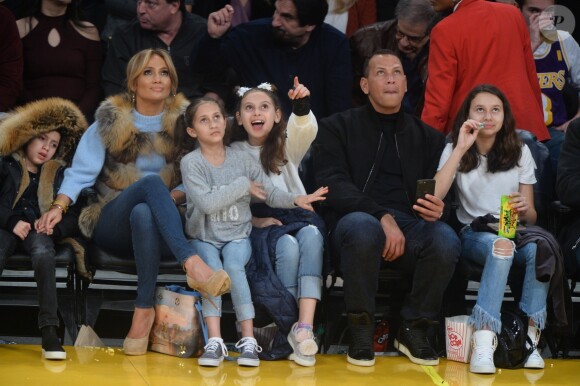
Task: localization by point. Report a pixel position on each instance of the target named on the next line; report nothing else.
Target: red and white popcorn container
(458, 338)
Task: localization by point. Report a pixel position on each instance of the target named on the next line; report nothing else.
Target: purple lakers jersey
(552, 73)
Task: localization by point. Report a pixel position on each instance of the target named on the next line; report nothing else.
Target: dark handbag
(482, 223)
(511, 351)
(179, 328)
(489, 223)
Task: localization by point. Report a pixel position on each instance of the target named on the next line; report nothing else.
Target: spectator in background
(347, 16)
(295, 42)
(244, 10)
(481, 42)
(11, 61)
(160, 24)
(408, 36)
(62, 55)
(557, 57)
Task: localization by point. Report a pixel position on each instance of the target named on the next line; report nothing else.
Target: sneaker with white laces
(303, 344)
(483, 345)
(535, 360)
(249, 350)
(214, 354)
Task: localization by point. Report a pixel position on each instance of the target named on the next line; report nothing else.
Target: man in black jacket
(371, 157)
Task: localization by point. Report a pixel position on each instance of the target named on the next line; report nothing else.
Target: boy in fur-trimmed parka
(36, 142)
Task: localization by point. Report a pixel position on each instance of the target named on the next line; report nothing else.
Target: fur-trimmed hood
(33, 119)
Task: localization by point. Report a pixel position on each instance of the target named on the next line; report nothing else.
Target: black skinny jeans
(40, 247)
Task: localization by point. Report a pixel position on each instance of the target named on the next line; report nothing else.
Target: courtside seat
(100, 259)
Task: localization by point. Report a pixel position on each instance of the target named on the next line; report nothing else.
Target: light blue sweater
(89, 157)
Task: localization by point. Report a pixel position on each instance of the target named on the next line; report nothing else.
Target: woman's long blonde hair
(140, 60)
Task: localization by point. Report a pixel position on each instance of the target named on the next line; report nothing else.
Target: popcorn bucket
(458, 338)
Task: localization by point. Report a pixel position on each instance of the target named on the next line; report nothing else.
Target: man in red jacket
(481, 42)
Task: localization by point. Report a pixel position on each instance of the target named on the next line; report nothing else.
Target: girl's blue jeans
(236, 255)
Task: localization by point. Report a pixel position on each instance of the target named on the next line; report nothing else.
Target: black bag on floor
(511, 351)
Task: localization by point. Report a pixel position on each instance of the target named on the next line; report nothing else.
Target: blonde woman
(128, 154)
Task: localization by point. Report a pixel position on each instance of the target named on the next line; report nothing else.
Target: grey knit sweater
(218, 199)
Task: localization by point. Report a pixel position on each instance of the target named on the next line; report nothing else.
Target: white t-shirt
(479, 192)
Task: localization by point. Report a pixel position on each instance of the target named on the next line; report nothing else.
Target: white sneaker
(483, 345)
(535, 360)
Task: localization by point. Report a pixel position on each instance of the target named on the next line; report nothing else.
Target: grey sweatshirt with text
(218, 198)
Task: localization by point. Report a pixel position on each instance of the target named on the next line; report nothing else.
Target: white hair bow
(263, 86)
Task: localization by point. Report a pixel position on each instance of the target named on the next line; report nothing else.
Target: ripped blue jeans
(480, 248)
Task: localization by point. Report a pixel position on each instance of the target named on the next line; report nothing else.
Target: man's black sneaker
(360, 349)
(412, 341)
(51, 347)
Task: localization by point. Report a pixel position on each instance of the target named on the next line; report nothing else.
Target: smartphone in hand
(424, 187)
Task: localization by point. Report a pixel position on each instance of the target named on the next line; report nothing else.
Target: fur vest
(124, 143)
